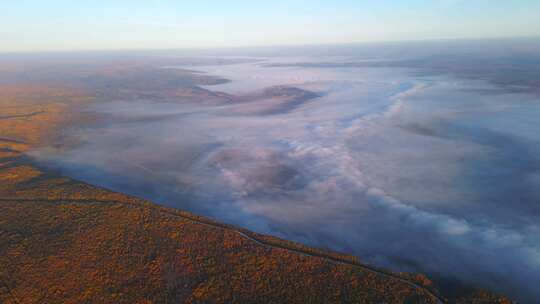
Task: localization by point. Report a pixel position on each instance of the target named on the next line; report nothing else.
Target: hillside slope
(66, 242)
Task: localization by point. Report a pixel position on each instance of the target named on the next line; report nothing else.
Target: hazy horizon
(162, 24)
(249, 50)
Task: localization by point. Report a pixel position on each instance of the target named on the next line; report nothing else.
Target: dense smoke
(409, 171)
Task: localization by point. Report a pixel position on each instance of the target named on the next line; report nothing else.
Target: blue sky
(37, 25)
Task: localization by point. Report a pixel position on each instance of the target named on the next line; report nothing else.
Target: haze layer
(416, 159)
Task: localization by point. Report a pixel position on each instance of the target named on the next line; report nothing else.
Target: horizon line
(269, 46)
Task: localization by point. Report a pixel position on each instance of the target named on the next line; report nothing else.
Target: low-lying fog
(407, 170)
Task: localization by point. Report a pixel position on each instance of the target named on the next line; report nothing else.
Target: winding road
(22, 115)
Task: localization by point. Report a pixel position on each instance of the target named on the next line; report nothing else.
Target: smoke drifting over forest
(408, 164)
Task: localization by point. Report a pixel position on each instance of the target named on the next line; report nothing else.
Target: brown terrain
(64, 241)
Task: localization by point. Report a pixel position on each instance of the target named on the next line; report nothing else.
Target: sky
(36, 25)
